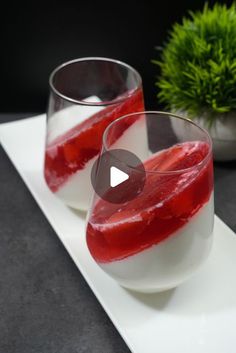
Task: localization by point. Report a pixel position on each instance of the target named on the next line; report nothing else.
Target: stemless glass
(158, 239)
(86, 95)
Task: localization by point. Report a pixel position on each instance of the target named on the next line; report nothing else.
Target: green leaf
(198, 62)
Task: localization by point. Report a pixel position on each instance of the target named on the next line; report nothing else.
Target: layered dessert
(74, 140)
(157, 240)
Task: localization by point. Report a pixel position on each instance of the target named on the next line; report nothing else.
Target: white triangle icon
(117, 176)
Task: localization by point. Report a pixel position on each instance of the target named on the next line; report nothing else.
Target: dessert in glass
(86, 95)
(163, 235)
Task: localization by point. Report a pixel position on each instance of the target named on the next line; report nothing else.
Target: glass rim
(130, 93)
(169, 172)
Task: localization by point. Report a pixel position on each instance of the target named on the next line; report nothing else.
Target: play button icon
(118, 176)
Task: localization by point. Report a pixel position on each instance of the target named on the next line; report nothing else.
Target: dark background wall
(36, 38)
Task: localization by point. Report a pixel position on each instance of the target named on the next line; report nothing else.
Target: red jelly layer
(167, 202)
(71, 151)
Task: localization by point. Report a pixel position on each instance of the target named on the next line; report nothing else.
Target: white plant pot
(222, 132)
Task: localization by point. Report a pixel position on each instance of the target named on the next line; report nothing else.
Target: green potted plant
(198, 74)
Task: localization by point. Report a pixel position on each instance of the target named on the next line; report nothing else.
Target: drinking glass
(160, 237)
(86, 95)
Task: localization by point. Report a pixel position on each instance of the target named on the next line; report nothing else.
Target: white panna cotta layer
(172, 261)
(77, 190)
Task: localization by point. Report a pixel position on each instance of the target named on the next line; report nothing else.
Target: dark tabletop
(45, 304)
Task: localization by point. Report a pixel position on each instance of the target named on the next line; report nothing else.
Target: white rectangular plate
(199, 316)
